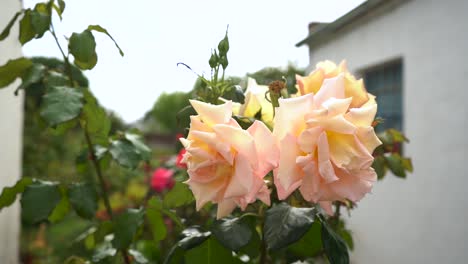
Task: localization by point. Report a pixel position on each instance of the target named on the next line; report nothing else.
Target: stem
(263, 249)
(92, 155)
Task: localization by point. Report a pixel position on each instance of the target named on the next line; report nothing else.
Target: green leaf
(103, 30)
(285, 225)
(33, 75)
(334, 246)
(179, 195)
(156, 223)
(26, 29)
(40, 19)
(125, 153)
(235, 94)
(75, 260)
(310, 244)
(61, 104)
(141, 148)
(83, 47)
(232, 233)
(61, 5)
(210, 252)
(6, 30)
(192, 237)
(38, 201)
(407, 164)
(126, 226)
(138, 258)
(83, 198)
(12, 70)
(8, 195)
(395, 164)
(347, 237)
(62, 208)
(379, 167)
(95, 120)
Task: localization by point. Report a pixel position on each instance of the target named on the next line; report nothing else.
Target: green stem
(263, 248)
(92, 155)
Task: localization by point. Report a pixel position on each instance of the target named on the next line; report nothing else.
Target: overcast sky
(156, 35)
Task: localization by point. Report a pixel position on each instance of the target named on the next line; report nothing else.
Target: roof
(324, 30)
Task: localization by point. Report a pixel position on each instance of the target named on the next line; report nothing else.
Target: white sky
(155, 35)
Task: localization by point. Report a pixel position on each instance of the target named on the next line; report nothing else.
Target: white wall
(11, 131)
(423, 219)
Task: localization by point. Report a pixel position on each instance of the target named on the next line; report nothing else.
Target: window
(385, 82)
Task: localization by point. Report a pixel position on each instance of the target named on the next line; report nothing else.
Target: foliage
(89, 174)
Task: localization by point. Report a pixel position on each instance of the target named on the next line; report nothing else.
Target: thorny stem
(92, 155)
(263, 249)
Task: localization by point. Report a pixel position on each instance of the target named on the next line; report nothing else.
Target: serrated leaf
(125, 153)
(83, 198)
(26, 29)
(209, 252)
(38, 201)
(285, 225)
(95, 120)
(61, 104)
(83, 47)
(379, 167)
(138, 257)
(395, 164)
(40, 19)
(98, 28)
(126, 226)
(142, 149)
(179, 195)
(232, 233)
(62, 208)
(6, 30)
(9, 194)
(191, 237)
(33, 75)
(334, 246)
(156, 223)
(12, 70)
(310, 244)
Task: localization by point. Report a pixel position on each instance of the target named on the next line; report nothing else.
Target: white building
(419, 49)
(11, 134)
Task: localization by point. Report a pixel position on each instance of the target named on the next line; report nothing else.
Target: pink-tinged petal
(205, 192)
(211, 172)
(327, 207)
(325, 167)
(336, 124)
(213, 141)
(185, 142)
(336, 106)
(351, 187)
(242, 179)
(289, 116)
(239, 139)
(333, 87)
(307, 140)
(288, 171)
(225, 208)
(213, 114)
(264, 195)
(347, 152)
(368, 138)
(311, 180)
(265, 144)
(280, 190)
(362, 117)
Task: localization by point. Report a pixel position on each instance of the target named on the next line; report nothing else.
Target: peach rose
(255, 101)
(326, 69)
(325, 144)
(226, 164)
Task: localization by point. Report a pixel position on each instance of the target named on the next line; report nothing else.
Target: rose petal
(213, 114)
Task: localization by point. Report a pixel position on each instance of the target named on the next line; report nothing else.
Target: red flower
(179, 162)
(162, 180)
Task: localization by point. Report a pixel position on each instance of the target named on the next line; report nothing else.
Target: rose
(162, 180)
(325, 145)
(255, 102)
(326, 69)
(179, 163)
(226, 164)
